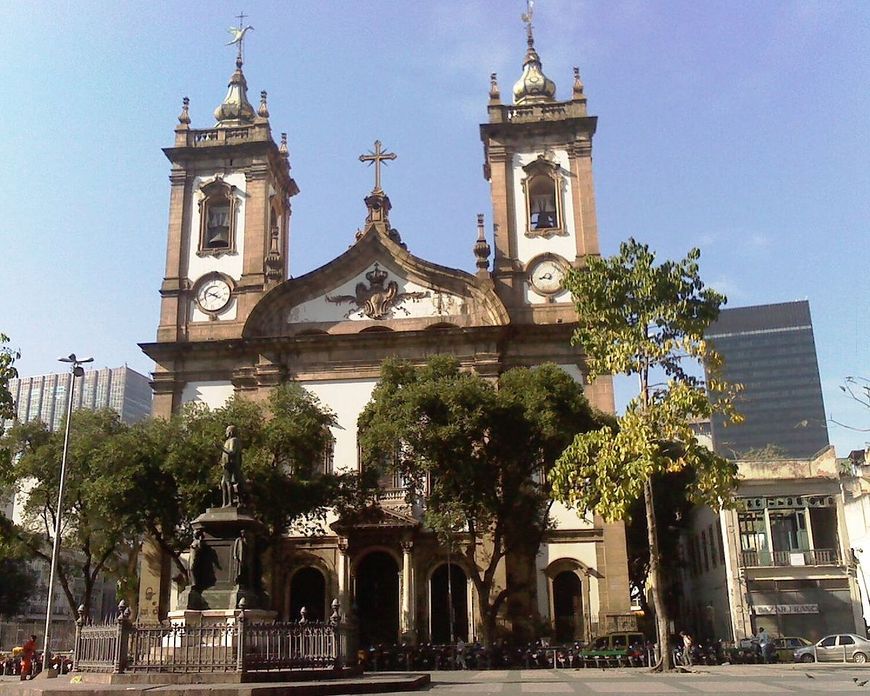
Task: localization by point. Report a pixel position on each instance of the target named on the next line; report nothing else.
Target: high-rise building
(44, 397)
(770, 350)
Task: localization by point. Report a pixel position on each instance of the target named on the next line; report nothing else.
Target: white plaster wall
(579, 551)
(231, 264)
(436, 303)
(347, 398)
(228, 314)
(529, 247)
(213, 394)
(534, 298)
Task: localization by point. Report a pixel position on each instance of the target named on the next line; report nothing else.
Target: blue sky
(738, 127)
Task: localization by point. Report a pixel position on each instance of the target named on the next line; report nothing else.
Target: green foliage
(484, 447)
(635, 317)
(7, 406)
(283, 439)
(158, 475)
(95, 485)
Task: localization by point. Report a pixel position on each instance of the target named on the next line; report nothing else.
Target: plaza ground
(730, 679)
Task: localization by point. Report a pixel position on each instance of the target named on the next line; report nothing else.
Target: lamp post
(76, 370)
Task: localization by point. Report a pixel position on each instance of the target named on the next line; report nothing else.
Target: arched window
(217, 215)
(543, 193)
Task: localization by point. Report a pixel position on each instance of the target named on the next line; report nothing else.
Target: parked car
(784, 647)
(837, 648)
(615, 646)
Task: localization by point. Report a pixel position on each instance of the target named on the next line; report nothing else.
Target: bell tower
(538, 160)
(229, 216)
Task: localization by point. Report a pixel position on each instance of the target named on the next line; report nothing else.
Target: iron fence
(239, 645)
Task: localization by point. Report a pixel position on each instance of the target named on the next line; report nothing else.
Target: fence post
(77, 644)
(122, 638)
(337, 635)
(240, 637)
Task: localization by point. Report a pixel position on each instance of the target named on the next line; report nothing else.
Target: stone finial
(282, 148)
(335, 617)
(578, 84)
(494, 94)
(274, 270)
(263, 111)
(303, 615)
(481, 247)
(184, 116)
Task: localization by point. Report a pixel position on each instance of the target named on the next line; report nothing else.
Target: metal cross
(377, 157)
(241, 17)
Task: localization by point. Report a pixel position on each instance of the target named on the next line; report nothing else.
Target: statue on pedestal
(232, 479)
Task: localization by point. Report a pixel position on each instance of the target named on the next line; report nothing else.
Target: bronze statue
(241, 560)
(232, 479)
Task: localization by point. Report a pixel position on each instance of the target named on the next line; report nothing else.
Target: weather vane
(528, 14)
(376, 158)
(238, 33)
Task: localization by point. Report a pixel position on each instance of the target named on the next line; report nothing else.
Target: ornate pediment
(376, 280)
(377, 301)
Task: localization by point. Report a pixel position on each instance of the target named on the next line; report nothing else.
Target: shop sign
(786, 609)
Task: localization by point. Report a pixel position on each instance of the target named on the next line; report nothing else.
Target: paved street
(734, 679)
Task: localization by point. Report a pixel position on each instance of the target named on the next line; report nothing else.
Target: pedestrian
(28, 650)
(764, 643)
(460, 654)
(688, 644)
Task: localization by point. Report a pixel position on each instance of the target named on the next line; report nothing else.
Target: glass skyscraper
(770, 350)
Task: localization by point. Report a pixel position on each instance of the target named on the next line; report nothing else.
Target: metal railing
(806, 557)
(237, 646)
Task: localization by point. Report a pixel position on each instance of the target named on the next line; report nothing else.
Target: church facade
(233, 322)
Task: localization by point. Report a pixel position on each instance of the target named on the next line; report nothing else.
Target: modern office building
(44, 397)
(770, 350)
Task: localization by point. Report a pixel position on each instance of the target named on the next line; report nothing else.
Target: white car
(841, 647)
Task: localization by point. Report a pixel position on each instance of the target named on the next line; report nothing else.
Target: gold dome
(533, 86)
(235, 109)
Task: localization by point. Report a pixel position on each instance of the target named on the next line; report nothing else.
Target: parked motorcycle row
(428, 657)
(498, 656)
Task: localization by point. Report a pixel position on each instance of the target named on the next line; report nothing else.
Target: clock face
(213, 295)
(547, 276)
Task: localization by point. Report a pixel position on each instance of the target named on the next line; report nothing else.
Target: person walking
(28, 651)
(764, 644)
(688, 644)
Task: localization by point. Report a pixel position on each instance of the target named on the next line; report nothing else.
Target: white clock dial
(547, 276)
(213, 295)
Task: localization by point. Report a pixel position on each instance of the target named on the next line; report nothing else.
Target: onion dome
(235, 109)
(533, 86)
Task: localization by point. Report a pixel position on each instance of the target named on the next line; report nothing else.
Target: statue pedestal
(226, 567)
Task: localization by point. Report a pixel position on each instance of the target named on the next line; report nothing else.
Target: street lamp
(76, 370)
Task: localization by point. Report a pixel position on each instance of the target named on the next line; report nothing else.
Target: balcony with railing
(797, 557)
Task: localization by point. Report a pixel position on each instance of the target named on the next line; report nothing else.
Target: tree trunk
(662, 631)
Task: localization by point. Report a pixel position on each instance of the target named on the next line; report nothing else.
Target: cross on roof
(377, 157)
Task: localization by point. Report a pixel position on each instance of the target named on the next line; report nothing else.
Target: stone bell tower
(229, 215)
(538, 160)
(229, 226)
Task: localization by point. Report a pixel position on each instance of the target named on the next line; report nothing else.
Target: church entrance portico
(376, 595)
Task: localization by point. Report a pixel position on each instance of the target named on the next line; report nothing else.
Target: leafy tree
(638, 318)
(7, 372)
(485, 448)
(157, 476)
(95, 484)
(176, 465)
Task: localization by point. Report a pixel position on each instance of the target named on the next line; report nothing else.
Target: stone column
(342, 571)
(406, 624)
